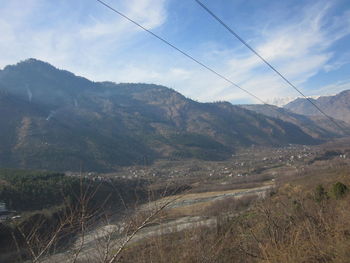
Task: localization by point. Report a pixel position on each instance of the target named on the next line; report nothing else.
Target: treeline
(27, 190)
(23, 190)
(54, 207)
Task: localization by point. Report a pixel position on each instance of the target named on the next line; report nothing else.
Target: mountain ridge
(61, 121)
(336, 106)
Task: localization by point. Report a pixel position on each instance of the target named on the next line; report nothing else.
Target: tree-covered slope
(52, 119)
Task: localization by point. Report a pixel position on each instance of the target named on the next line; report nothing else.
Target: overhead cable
(182, 52)
(269, 64)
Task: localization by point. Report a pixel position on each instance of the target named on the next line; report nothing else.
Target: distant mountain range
(337, 106)
(317, 126)
(52, 119)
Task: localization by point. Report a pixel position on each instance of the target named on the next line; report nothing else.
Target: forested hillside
(55, 120)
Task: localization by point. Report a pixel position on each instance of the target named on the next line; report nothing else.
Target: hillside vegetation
(304, 219)
(55, 120)
(251, 208)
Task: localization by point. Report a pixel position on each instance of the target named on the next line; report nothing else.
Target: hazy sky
(307, 40)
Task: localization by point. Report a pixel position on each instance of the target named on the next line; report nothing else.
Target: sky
(307, 41)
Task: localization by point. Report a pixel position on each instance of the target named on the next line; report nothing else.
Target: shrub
(320, 193)
(339, 190)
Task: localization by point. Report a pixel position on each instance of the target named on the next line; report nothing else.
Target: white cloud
(57, 33)
(299, 50)
(337, 63)
(334, 88)
(149, 14)
(98, 47)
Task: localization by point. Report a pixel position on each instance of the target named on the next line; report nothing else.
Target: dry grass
(198, 204)
(289, 226)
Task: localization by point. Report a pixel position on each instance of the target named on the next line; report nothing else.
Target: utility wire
(182, 52)
(268, 64)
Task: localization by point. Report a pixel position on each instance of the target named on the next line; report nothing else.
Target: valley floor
(287, 204)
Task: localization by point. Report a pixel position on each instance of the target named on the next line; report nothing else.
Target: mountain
(52, 119)
(316, 126)
(337, 106)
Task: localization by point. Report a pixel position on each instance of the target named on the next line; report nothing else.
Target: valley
(163, 131)
(193, 195)
(106, 172)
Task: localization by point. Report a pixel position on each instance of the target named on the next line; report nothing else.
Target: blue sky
(308, 41)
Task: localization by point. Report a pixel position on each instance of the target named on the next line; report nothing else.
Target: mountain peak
(55, 120)
(34, 62)
(32, 65)
(336, 106)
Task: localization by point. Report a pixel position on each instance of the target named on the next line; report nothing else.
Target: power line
(182, 52)
(267, 63)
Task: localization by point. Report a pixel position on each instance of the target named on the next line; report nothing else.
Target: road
(95, 241)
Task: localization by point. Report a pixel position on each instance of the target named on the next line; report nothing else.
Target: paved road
(95, 241)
